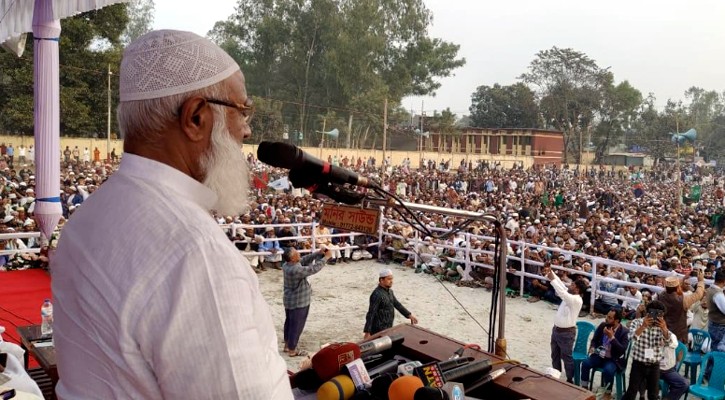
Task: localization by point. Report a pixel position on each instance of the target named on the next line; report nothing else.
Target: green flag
(545, 199)
(695, 192)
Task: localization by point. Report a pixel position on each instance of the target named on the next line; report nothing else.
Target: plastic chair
(583, 330)
(714, 388)
(620, 384)
(680, 353)
(694, 356)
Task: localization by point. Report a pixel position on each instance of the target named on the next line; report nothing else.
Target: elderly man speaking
(152, 300)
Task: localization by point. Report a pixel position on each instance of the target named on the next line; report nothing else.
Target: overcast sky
(663, 47)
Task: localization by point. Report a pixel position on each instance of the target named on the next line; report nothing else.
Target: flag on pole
(280, 184)
(695, 192)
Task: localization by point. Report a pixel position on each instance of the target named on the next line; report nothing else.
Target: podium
(519, 382)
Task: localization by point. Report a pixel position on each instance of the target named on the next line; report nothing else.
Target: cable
(8, 10)
(17, 316)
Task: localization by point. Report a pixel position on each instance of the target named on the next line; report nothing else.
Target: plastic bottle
(46, 313)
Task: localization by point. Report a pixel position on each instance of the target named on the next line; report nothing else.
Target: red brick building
(545, 146)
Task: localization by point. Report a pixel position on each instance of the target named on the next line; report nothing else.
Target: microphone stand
(501, 338)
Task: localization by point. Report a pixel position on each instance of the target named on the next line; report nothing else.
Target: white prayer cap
(385, 272)
(167, 62)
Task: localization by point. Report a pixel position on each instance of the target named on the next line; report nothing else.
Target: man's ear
(196, 119)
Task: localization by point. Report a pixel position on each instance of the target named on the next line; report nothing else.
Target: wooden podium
(519, 382)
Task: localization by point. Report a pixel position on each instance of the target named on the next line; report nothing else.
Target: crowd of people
(117, 308)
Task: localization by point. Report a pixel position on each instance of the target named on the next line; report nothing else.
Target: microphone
(404, 388)
(339, 387)
(330, 360)
(288, 156)
(380, 344)
(432, 374)
(430, 393)
(336, 192)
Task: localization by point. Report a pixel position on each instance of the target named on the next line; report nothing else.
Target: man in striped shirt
(383, 304)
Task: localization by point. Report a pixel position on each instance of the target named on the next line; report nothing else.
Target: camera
(655, 314)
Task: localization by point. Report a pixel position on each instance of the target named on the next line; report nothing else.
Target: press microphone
(380, 344)
(289, 156)
(432, 374)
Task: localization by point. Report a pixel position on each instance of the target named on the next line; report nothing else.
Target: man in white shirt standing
(563, 334)
(152, 300)
(677, 384)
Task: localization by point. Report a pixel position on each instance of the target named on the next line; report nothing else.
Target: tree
(704, 108)
(619, 106)
(140, 19)
(568, 84)
(83, 76)
(512, 106)
(348, 53)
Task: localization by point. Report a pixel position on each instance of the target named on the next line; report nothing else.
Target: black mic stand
(501, 338)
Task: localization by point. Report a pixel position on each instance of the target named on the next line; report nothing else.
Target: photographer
(298, 293)
(649, 335)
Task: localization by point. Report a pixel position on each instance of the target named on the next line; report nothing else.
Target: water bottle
(46, 313)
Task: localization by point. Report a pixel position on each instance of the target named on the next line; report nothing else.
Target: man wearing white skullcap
(151, 299)
(383, 304)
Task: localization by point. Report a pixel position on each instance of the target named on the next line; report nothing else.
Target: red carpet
(21, 295)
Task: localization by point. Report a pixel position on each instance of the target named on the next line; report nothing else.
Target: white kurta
(153, 301)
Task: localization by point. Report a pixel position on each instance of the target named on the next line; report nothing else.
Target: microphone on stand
(285, 155)
(335, 191)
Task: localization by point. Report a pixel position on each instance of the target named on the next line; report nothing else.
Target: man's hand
(662, 325)
(413, 319)
(700, 276)
(609, 332)
(551, 275)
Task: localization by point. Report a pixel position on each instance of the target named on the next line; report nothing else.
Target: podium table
(519, 382)
(41, 347)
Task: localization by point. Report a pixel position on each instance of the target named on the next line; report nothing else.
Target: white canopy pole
(46, 32)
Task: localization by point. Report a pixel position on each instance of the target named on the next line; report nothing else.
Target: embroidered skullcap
(672, 281)
(167, 62)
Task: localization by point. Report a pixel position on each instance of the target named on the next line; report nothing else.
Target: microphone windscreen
(340, 387)
(404, 388)
(279, 154)
(430, 393)
(329, 361)
(307, 379)
(381, 384)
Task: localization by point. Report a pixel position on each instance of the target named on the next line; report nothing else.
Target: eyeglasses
(246, 109)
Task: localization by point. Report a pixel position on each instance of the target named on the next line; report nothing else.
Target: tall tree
(140, 19)
(83, 76)
(568, 84)
(620, 105)
(346, 53)
(512, 106)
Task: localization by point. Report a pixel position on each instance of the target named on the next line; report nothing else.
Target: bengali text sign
(354, 219)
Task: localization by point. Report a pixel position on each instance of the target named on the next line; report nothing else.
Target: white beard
(226, 170)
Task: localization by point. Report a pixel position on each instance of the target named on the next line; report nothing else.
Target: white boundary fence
(517, 262)
(467, 260)
(520, 261)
